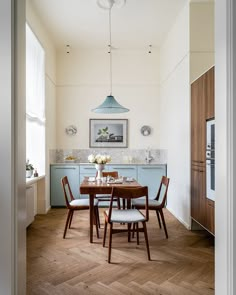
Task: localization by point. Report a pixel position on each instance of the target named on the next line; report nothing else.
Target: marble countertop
(131, 164)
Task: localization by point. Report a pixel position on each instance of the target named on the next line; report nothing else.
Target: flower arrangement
(99, 159)
(29, 166)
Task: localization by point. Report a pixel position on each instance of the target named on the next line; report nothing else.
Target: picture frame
(107, 133)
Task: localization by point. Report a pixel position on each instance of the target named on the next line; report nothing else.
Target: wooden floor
(181, 265)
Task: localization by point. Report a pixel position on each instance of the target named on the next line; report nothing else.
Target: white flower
(91, 158)
(99, 159)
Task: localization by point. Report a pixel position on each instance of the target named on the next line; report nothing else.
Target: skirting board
(177, 217)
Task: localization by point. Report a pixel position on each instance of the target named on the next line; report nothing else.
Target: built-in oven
(210, 159)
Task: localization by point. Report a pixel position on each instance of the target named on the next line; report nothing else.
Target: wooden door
(209, 92)
(198, 122)
(198, 194)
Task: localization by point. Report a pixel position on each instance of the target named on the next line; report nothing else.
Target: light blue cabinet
(56, 192)
(126, 171)
(151, 176)
(86, 170)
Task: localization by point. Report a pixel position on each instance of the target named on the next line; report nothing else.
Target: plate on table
(91, 179)
(129, 179)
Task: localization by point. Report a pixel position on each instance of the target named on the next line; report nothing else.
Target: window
(35, 102)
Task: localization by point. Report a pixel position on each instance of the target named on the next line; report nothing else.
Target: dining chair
(126, 215)
(73, 204)
(158, 203)
(104, 199)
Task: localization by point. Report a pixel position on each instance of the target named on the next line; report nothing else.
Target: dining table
(92, 188)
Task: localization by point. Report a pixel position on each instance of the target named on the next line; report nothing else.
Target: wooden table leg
(91, 214)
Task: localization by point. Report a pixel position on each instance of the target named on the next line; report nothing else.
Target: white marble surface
(119, 156)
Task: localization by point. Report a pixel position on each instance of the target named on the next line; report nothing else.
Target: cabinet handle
(147, 168)
(89, 168)
(124, 168)
(67, 168)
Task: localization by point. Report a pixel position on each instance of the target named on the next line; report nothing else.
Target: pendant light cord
(110, 51)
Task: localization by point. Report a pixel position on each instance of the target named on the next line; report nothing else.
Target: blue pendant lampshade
(110, 105)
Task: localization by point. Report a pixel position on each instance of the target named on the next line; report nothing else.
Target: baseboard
(179, 219)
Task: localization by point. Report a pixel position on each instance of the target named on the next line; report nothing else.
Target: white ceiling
(82, 24)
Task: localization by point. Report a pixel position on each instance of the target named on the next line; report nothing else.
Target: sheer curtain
(35, 102)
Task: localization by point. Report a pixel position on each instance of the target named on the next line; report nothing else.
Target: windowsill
(33, 179)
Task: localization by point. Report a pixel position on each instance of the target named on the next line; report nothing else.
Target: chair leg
(98, 218)
(96, 221)
(71, 216)
(110, 242)
(67, 222)
(129, 231)
(137, 229)
(133, 230)
(104, 234)
(146, 239)
(163, 222)
(158, 217)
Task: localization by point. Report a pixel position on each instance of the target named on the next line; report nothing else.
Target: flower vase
(99, 168)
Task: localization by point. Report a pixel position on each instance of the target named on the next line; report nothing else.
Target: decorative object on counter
(145, 130)
(108, 133)
(99, 168)
(110, 105)
(29, 169)
(148, 157)
(99, 161)
(36, 173)
(71, 130)
(70, 159)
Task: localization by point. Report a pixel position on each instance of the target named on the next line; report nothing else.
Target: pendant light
(110, 105)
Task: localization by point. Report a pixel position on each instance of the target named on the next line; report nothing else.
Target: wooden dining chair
(126, 215)
(158, 203)
(73, 204)
(104, 199)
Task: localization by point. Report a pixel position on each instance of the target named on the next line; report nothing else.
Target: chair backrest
(67, 191)
(162, 192)
(110, 173)
(128, 194)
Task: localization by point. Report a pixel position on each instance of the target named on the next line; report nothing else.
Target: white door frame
(12, 148)
(225, 86)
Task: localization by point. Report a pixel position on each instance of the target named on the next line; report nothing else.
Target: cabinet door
(198, 194)
(210, 216)
(198, 121)
(86, 170)
(125, 171)
(57, 172)
(151, 176)
(209, 92)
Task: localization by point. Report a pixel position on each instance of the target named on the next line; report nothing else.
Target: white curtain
(35, 102)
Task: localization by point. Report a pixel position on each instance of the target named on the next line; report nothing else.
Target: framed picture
(108, 133)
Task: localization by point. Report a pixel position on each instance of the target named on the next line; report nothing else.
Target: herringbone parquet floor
(181, 265)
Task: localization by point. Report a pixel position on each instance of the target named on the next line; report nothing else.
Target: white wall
(50, 90)
(202, 47)
(175, 114)
(83, 84)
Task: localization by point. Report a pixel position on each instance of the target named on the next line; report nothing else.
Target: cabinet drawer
(126, 171)
(151, 176)
(88, 170)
